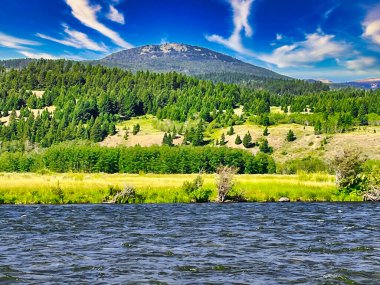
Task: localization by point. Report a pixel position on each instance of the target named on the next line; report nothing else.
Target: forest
(89, 101)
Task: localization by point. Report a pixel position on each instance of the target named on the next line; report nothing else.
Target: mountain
(183, 58)
(16, 63)
(369, 83)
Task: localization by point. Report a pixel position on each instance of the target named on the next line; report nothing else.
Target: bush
(308, 164)
(194, 189)
(348, 168)
(290, 136)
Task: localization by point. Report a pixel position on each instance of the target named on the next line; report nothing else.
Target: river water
(272, 243)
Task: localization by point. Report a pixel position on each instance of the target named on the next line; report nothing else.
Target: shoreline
(97, 188)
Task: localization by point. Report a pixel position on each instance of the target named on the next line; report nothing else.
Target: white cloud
(241, 11)
(371, 25)
(12, 42)
(86, 14)
(38, 55)
(279, 37)
(163, 41)
(360, 63)
(76, 39)
(316, 48)
(115, 15)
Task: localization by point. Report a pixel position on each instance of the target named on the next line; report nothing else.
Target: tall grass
(29, 188)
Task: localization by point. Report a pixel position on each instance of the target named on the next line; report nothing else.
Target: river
(252, 243)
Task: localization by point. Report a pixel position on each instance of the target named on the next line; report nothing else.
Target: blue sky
(336, 40)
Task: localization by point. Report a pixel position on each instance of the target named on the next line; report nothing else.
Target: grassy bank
(30, 188)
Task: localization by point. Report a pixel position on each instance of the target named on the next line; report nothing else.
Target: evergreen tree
(290, 136)
(266, 132)
(126, 135)
(112, 129)
(222, 141)
(136, 129)
(318, 128)
(231, 131)
(238, 140)
(264, 146)
(197, 139)
(167, 140)
(247, 140)
(96, 133)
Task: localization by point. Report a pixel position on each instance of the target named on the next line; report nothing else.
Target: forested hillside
(85, 102)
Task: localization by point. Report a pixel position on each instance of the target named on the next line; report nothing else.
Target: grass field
(29, 188)
(325, 146)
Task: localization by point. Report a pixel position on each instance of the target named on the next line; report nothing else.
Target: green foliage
(264, 146)
(75, 157)
(136, 129)
(195, 191)
(266, 132)
(223, 141)
(247, 140)
(90, 100)
(238, 140)
(290, 136)
(167, 140)
(308, 165)
(348, 169)
(231, 131)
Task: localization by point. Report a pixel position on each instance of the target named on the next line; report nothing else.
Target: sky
(337, 40)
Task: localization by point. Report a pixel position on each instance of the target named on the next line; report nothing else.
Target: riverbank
(67, 188)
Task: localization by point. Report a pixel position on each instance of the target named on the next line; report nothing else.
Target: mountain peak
(183, 58)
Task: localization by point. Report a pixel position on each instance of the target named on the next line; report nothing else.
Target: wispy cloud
(37, 55)
(115, 15)
(328, 13)
(241, 11)
(360, 63)
(371, 25)
(13, 42)
(315, 48)
(76, 39)
(86, 14)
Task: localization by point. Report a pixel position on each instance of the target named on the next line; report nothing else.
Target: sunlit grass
(28, 188)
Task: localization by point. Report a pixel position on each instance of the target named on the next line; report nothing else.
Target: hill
(369, 83)
(16, 63)
(187, 59)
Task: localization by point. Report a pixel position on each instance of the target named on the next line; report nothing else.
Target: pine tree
(266, 132)
(112, 129)
(264, 146)
(318, 128)
(247, 140)
(126, 136)
(136, 129)
(238, 140)
(231, 131)
(222, 140)
(167, 140)
(96, 133)
(290, 136)
(197, 139)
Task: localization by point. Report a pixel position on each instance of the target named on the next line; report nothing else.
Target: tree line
(94, 158)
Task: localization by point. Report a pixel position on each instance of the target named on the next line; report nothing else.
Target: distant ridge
(187, 59)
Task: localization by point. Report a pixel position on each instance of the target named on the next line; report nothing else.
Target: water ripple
(304, 243)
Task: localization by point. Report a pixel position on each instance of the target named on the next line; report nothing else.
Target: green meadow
(73, 188)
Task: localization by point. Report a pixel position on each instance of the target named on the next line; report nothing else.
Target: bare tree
(224, 181)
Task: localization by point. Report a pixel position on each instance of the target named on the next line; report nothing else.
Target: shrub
(290, 136)
(348, 168)
(194, 189)
(238, 140)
